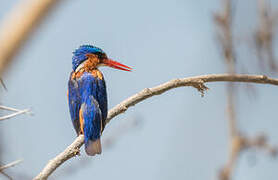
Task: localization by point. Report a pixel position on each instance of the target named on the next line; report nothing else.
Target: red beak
(116, 65)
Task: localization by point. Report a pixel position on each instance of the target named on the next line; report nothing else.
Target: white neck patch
(80, 66)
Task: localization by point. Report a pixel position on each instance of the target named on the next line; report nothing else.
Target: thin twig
(13, 109)
(14, 114)
(6, 175)
(260, 142)
(196, 82)
(3, 84)
(10, 164)
(9, 108)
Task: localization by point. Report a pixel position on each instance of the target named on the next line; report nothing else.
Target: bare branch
(73, 149)
(13, 109)
(9, 108)
(6, 175)
(10, 164)
(18, 25)
(108, 141)
(14, 114)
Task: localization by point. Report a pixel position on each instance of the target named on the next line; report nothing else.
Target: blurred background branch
(10, 164)
(264, 41)
(3, 167)
(265, 35)
(15, 29)
(18, 26)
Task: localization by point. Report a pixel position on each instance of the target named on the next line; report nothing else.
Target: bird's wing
(96, 87)
(74, 101)
(91, 122)
(90, 113)
(102, 100)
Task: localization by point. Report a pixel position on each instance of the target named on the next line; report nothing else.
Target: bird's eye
(101, 56)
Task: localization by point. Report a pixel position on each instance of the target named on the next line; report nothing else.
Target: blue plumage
(87, 94)
(74, 98)
(102, 99)
(92, 119)
(88, 99)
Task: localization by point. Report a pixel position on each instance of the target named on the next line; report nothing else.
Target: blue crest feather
(79, 55)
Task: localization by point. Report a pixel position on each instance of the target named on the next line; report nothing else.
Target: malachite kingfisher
(87, 96)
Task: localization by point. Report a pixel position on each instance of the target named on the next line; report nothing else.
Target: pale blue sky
(181, 136)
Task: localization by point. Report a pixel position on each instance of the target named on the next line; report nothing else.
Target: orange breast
(97, 74)
(77, 74)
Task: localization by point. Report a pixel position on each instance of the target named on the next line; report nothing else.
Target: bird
(87, 96)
